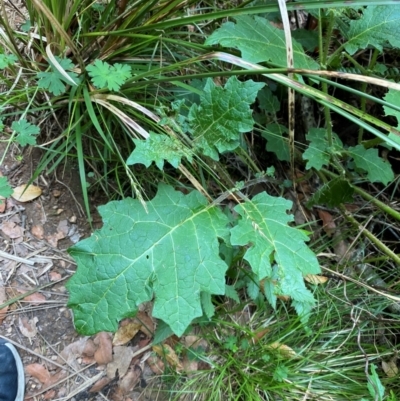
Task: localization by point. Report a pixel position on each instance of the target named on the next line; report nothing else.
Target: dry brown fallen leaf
(38, 231)
(54, 276)
(35, 299)
(130, 380)
(147, 323)
(284, 350)
(49, 395)
(121, 361)
(39, 372)
(103, 354)
(99, 385)
(258, 335)
(315, 279)
(328, 221)
(167, 353)
(28, 327)
(11, 229)
(190, 365)
(390, 368)
(24, 193)
(125, 333)
(75, 350)
(156, 364)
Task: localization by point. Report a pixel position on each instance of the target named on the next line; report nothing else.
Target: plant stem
(363, 101)
(382, 206)
(379, 244)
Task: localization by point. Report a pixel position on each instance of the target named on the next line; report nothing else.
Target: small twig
(30, 292)
(78, 205)
(16, 258)
(231, 192)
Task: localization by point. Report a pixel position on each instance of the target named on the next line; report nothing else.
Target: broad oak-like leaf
(170, 252)
(157, 148)
(379, 26)
(223, 113)
(258, 40)
(264, 228)
(378, 170)
(53, 80)
(109, 76)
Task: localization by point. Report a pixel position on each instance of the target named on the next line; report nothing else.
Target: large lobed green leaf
(258, 40)
(379, 26)
(170, 252)
(276, 251)
(223, 113)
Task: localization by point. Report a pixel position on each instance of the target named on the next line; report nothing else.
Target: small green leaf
(231, 343)
(26, 26)
(307, 38)
(378, 170)
(163, 331)
(318, 152)
(281, 373)
(53, 80)
(157, 148)
(252, 287)
(231, 293)
(270, 171)
(207, 305)
(26, 132)
(268, 101)
(5, 188)
(276, 142)
(105, 75)
(264, 229)
(333, 193)
(269, 287)
(258, 40)
(393, 96)
(6, 60)
(379, 26)
(223, 113)
(375, 387)
(169, 252)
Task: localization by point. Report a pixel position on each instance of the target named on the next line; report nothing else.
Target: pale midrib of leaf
(216, 123)
(271, 240)
(373, 28)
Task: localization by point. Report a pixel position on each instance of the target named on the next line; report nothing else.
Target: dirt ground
(34, 268)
